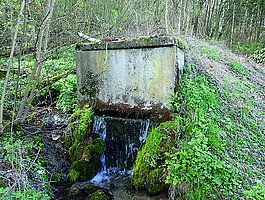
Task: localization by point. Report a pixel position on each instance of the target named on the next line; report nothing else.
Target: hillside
(214, 148)
(240, 87)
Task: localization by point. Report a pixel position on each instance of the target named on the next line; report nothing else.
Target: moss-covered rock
(79, 125)
(99, 195)
(155, 181)
(147, 172)
(146, 159)
(84, 152)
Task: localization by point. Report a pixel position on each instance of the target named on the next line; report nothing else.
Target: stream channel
(123, 139)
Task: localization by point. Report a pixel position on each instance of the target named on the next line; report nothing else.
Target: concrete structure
(136, 75)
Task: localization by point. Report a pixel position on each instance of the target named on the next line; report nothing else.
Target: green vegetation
(67, 99)
(155, 183)
(259, 56)
(84, 151)
(213, 147)
(148, 170)
(147, 158)
(197, 160)
(20, 153)
(30, 194)
(257, 192)
(237, 68)
(27, 175)
(99, 195)
(246, 47)
(52, 78)
(211, 53)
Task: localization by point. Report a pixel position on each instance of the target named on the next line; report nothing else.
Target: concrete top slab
(131, 43)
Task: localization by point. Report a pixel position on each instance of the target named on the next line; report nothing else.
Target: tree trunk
(14, 40)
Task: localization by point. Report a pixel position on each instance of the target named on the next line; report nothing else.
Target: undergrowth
(60, 63)
(196, 159)
(221, 152)
(22, 175)
(67, 98)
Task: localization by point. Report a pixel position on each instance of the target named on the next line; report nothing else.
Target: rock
(90, 190)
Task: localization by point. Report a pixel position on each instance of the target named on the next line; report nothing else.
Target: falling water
(99, 126)
(123, 139)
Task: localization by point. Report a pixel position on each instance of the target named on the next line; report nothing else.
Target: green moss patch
(84, 151)
(147, 170)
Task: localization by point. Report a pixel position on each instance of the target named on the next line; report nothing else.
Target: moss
(79, 123)
(84, 152)
(155, 182)
(150, 159)
(99, 195)
(68, 140)
(57, 177)
(180, 43)
(90, 84)
(85, 158)
(73, 175)
(84, 170)
(146, 158)
(99, 146)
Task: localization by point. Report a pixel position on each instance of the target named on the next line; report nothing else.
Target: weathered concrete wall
(128, 76)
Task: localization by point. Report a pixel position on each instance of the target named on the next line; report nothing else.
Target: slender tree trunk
(233, 25)
(166, 17)
(41, 52)
(22, 6)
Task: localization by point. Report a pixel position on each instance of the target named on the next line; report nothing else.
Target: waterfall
(99, 126)
(123, 139)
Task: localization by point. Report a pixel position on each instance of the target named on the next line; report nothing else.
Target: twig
(16, 182)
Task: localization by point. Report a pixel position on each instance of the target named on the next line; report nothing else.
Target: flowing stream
(123, 139)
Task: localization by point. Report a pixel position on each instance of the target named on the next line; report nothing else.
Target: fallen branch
(87, 37)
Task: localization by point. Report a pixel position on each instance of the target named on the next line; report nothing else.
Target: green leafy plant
(31, 194)
(67, 99)
(257, 192)
(237, 68)
(195, 160)
(211, 53)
